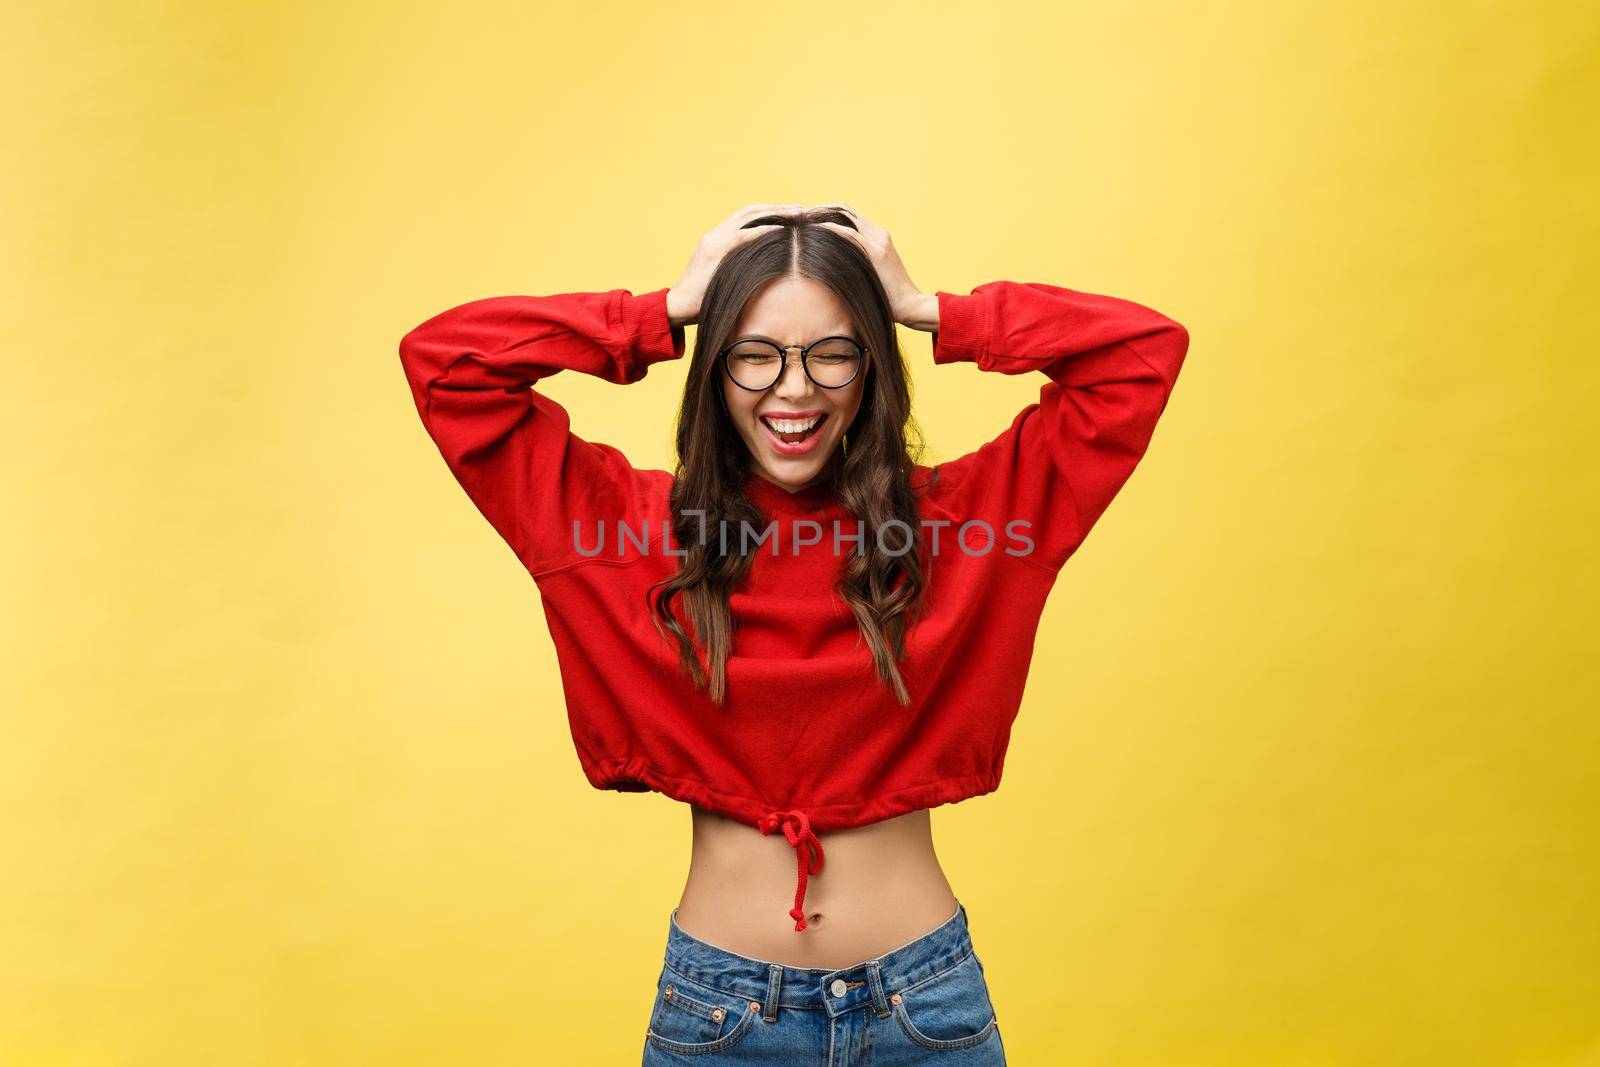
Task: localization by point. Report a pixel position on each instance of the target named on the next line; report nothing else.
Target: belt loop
(774, 980)
(875, 983)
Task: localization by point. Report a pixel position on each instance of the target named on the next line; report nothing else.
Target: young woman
(802, 632)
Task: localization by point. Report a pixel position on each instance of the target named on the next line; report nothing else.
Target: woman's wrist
(922, 313)
(677, 314)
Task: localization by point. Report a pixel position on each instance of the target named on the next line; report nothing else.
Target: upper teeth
(793, 425)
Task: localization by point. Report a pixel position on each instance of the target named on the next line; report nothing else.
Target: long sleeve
(1111, 365)
(472, 370)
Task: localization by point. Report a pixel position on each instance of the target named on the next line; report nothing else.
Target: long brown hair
(872, 481)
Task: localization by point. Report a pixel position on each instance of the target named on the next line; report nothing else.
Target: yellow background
(1306, 773)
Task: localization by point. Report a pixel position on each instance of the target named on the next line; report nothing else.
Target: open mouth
(794, 431)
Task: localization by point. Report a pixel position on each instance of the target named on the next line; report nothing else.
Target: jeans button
(838, 987)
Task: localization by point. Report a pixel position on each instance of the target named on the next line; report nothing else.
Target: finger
(839, 227)
(852, 234)
(861, 225)
(747, 233)
(748, 211)
(847, 209)
(767, 209)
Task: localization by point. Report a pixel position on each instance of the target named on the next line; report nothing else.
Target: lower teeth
(793, 438)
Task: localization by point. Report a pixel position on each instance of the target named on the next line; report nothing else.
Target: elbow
(1170, 345)
(1177, 346)
(422, 356)
(415, 344)
(411, 349)
(427, 346)
(1163, 350)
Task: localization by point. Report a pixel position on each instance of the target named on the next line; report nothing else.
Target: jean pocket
(949, 1011)
(695, 1019)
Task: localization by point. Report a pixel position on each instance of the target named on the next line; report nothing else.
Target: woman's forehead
(796, 311)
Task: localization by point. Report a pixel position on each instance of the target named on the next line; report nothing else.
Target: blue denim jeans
(925, 1002)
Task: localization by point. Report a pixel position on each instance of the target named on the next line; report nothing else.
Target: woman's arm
(472, 370)
(1111, 363)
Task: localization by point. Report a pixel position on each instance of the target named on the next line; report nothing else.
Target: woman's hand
(683, 299)
(910, 305)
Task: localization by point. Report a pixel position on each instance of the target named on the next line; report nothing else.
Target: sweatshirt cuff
(963, 333)
(647, 334)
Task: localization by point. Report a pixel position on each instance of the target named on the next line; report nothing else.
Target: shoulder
(940, 488)
(943, 481)
(652, 489)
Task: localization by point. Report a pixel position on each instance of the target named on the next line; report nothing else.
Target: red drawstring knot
(796, 826)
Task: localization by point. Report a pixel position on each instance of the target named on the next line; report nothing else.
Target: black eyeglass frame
(862, 352)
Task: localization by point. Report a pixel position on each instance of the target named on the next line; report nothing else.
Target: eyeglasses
(832, 362)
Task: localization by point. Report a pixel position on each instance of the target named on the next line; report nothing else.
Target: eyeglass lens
(830, 363)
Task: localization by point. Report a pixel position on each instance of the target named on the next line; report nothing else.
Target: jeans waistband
(838, 990)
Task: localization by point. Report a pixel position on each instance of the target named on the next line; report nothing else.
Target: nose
(792, 381)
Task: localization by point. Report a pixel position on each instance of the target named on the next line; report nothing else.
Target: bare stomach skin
(880, 886)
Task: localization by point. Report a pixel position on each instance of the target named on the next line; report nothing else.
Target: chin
(795, 473)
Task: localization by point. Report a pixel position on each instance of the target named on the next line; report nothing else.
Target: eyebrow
(775, 341)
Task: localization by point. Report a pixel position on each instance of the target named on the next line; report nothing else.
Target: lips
(793, 434)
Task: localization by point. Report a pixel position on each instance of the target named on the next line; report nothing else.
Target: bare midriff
(880, 886)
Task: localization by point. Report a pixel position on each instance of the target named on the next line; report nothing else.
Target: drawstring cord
(796, 828)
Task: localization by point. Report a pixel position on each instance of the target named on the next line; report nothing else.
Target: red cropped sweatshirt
(808, 739)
